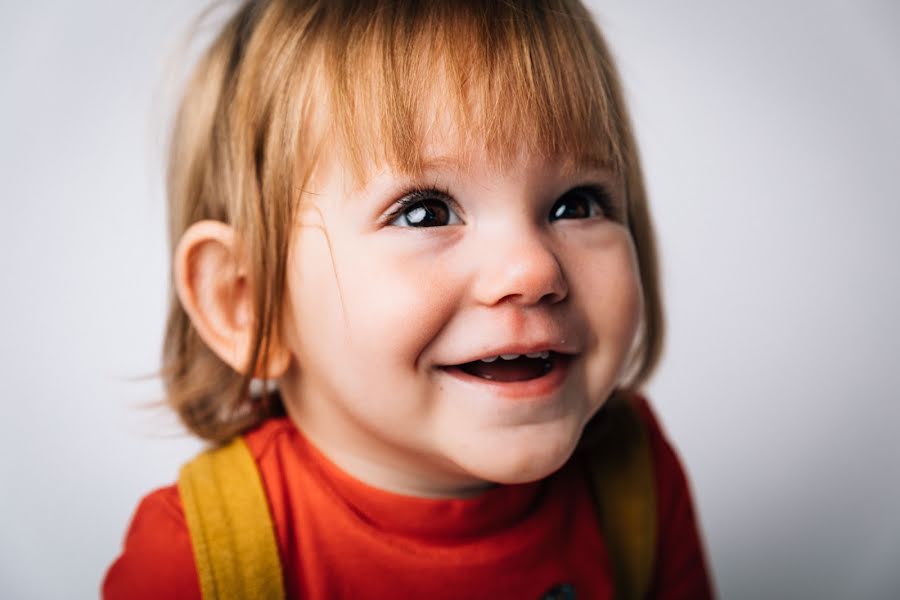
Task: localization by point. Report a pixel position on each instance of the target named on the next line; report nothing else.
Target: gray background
(771, 140)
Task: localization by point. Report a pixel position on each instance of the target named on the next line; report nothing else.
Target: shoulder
(157, 559)
(681, 570)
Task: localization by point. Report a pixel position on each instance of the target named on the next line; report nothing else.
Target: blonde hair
(283, 76)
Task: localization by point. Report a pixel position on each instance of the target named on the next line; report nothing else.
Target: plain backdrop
(771, 142)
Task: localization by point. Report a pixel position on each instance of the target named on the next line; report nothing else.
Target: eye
(583, 203)
(424, 208)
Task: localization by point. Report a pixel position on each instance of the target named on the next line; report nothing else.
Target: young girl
(415, 279)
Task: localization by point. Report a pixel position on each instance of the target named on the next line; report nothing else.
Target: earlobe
(211, 279)
(278, 360)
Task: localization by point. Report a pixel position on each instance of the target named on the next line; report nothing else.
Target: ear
(212, 283)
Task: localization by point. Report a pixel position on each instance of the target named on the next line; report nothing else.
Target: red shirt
(340, 538)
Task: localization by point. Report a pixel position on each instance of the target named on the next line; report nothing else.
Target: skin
(376, 310)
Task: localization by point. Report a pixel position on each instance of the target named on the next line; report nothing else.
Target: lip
(560, 348)
(539, 387)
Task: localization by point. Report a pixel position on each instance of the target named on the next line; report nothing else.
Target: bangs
(509, 78)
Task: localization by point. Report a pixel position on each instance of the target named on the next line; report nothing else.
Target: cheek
(609, 284)
(625, 296)
(368, 303)
(399, 299)
(611, 303)
(314, 310)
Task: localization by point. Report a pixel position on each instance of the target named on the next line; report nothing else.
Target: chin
(525, 460)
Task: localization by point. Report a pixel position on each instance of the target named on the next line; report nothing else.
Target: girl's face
(403, 292)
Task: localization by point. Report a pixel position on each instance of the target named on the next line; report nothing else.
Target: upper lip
(559, 347)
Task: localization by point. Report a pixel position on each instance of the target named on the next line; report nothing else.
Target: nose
(522, 271)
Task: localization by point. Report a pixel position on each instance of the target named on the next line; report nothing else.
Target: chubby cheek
(315, 326)
(397, 298)
(366, 308)
(611, 288)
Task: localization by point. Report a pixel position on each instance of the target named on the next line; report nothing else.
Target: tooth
(490, 359)
(509, 356)
(545, 354)
(535, 355)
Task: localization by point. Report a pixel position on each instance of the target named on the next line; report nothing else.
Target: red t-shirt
(340, 538)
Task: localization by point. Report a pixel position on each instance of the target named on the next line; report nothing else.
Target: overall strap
(230, 526)
(621, 472)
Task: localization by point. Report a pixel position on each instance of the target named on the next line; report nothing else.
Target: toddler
(415, 294)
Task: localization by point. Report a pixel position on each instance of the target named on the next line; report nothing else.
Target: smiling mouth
(514, 367)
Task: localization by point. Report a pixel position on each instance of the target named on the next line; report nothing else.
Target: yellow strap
(230, 526)
(622, 476)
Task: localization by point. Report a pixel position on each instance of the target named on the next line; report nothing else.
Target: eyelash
(414, 196)
(599, 194)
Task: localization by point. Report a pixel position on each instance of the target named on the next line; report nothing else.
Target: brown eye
(424, 209)
(582, 203)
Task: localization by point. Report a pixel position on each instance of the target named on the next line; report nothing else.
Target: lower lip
(536, 388)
